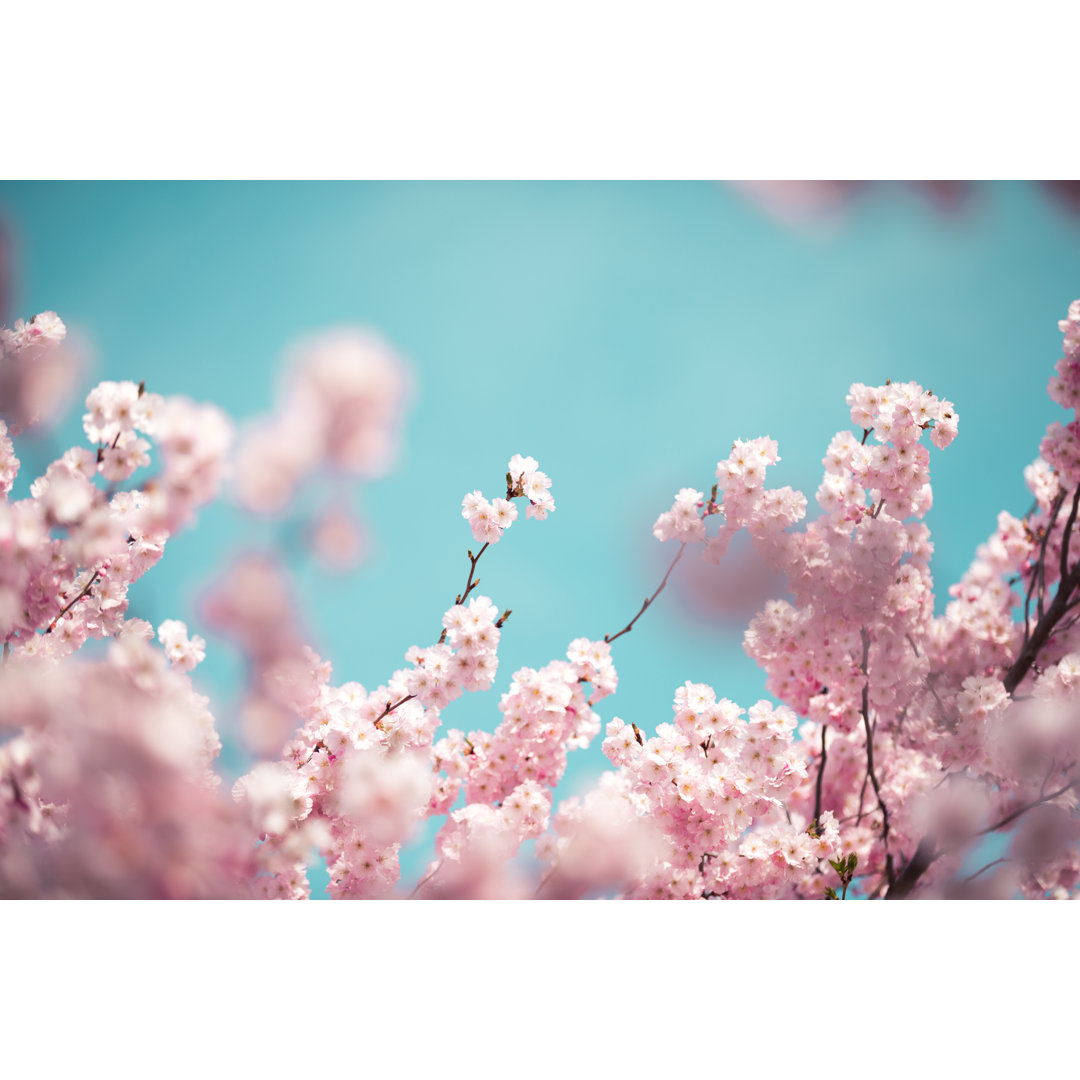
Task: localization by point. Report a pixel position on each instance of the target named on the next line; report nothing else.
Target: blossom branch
(927, 852)
(1036, 571)
(1010, 818)
(85, 591)
(1041, 634)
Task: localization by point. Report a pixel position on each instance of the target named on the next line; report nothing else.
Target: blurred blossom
(39, 372)
(252, 604)
(600, 844)
(798, 202)
(732, 590)
(339, 407)
(109, 790)
(338, 539)
(5, 274)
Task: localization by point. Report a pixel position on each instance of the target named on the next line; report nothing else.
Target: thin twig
(1010, 818)
(427, 877)
(645, 606)
(988, 866)
(86, 589)
(1068, 533)
(870, 756)
(470, 584)
(390, 708)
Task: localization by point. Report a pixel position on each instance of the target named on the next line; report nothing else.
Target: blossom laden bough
(897, 742)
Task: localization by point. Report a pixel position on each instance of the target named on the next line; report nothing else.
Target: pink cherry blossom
(892, 742)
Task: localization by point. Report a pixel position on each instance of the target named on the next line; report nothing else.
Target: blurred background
(623, 334)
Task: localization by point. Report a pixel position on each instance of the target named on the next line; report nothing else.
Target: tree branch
(645, 606)
(86, 589)
(926, 854)
(1034, 641)
(820, 776)
(1036, 571)
(870, 756)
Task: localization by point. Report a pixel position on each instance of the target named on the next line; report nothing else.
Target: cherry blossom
(892, 743)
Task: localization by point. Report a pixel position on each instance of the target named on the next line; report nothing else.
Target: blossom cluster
(716, 786)
(70, 552)
(36, 373)
(897, 740)
(489, 520)
(1061, 446)
(108, 789)
(339, 406)
(337, 419)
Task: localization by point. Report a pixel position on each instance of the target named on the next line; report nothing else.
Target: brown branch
(988, 866)
(1010, 818)
(390, 708)
(1041, 634)
(870, 756)
(1037, 569)
(470, 584)
(927, 852)
(820, 777)
(645, 606)
(86, 589)
(924, 856)
(1067, 535)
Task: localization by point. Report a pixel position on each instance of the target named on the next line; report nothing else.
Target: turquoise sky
(621, 333)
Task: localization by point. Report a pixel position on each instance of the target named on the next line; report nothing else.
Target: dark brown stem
(645, 606)
(870, 756)
(1041, 634)
(470, 584)
(86, 589)
(1010, 818)
(390, 708)
(924, 856)
(927, 851)
(862, 796)
(820, 777)
(988, 866)
(1067, 535)
(1036, 571)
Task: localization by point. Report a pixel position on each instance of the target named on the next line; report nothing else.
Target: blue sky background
(621, 333)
